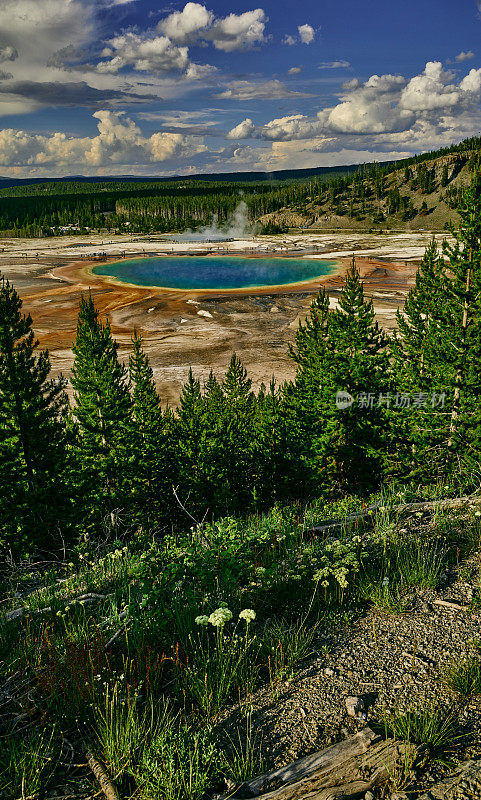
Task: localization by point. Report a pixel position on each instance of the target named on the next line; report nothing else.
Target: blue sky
(111, 87)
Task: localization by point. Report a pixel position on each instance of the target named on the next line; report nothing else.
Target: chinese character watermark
(370, 400)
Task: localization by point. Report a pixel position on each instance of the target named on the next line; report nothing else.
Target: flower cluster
(219, 617)
(339, 560)
(248, 614)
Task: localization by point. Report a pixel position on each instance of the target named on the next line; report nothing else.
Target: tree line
(44, 209)
(364, 409)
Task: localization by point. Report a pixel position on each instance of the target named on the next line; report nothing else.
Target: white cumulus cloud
(119, 141)
(429, 110)
(156, 54)
(185, 26)
(306, 34)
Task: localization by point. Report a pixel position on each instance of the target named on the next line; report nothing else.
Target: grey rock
(356, 707)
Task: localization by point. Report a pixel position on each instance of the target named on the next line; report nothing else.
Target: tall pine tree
(34, 508)
(344, 350)
(438, 351)
(152, 455)
(102, 418)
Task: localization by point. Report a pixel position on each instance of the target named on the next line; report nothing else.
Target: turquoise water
(214, 272)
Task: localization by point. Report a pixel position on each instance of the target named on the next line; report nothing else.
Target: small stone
(369, 796)
(329, 672)
(356, 707)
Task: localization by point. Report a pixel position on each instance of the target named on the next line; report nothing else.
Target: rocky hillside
(419, 196)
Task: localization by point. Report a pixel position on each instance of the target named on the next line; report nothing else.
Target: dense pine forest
(160, 566)
(48, 209)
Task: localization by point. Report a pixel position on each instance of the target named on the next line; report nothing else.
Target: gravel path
(392, 661)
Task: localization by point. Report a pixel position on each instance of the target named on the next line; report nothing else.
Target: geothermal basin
(214, 272)
(202, 327)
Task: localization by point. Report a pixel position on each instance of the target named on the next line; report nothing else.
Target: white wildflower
(219, 617)
(248, 614)
(203, 620)
(385, 581)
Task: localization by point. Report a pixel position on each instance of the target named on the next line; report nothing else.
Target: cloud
(195, 23)
(462, 56)
(294, 70)
(239, 31)
(306, 34)
(431, 109)
(472, 82)
(8, 53)
(185, 27)
(156, 54)
(431, 90)
(167, 48)
(244, 130)
(263, 90)
(119, 141)
(66, 94)
(342, 64)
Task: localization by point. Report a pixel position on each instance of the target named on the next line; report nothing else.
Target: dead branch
(452, 606)
(100, 773)
(336, 524)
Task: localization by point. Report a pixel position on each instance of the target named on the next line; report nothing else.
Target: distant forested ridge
(364, 192)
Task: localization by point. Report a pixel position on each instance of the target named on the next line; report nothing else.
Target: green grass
(220, 662)
(111, 695)
(420, 562)
(243, 758)
(286, 644)
(463, 675)
(425, 723)
(28, 762)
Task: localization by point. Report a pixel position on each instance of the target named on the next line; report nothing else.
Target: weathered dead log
(344, 770)
(337, 524)
(100, 773)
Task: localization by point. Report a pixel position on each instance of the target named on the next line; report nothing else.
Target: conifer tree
(152, 458)
(421, 371)
(339, 351)
(33, 406)
(237, 438)
(190, 435)
(102, 417)
(438, 351)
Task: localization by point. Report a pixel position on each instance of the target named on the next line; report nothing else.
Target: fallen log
(98, 770)
(337, 524)
(345, 770)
